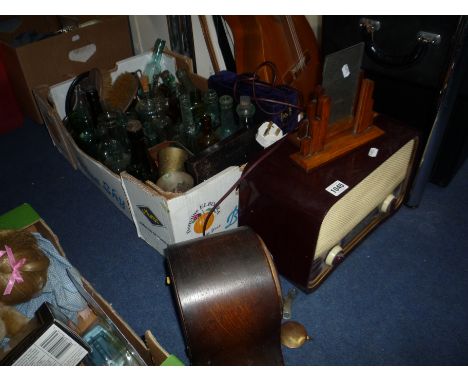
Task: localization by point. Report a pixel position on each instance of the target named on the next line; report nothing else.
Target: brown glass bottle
(207, 136)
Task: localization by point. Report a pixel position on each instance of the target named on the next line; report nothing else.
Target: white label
(336, 188)
(345, 70)
(373, 152)
(82, 54)
(53, 348)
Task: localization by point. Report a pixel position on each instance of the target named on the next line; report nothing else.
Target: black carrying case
(410, 90)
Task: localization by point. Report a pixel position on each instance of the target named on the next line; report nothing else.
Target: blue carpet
(398, 299)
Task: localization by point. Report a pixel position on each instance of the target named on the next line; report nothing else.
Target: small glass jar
(245, 111)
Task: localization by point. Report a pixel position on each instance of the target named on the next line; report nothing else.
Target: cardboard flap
(108, 182)
(97, 34)
(54, 125)
(139, 62)
(158, 354)
(149, 209)
(190, 209)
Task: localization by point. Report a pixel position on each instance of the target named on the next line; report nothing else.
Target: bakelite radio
(327, 186)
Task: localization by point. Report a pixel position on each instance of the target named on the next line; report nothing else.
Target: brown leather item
(287, 41)
(288, 206)
(229, 299)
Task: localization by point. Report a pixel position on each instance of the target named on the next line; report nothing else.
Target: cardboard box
(151, 351)
(62, 56)
(160, 218)
(51, 103)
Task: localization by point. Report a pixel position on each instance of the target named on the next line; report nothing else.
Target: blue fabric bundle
(59, 289)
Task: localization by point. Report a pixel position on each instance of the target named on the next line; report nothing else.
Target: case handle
(423, 41)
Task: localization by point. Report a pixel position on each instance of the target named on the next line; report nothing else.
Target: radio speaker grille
(353, 207)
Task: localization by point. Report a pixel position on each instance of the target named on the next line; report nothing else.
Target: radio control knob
(388, 204)
(335, 256)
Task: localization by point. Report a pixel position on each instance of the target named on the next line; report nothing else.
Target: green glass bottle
(186, 83)
(245, 111)
(80, 124)
(173, 110)
(112, 119)
(210, 100)
(146, 110)
(228, 124)
(207, 136)
(113, 150)
(153, 67)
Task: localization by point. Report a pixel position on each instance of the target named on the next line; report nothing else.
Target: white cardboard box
(160, 218)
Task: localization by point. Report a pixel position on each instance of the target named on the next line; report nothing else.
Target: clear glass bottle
(140, 165)
(146, 110)
(80, 124)
(113, 149)
(162, 122)
(207, 136)
(153, 67)
(228, 124)
(116, 120)
(173, 110)
(188, 129)
(210, 100)
(245, 111)
(186, 83)
(197, 106)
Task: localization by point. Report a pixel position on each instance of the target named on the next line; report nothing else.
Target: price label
(373, 152)
(345, 70)
(336, 188)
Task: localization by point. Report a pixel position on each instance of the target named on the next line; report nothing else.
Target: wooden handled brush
(121, 93)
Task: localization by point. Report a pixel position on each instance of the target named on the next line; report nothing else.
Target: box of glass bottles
(51, 101)
(161, 218)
